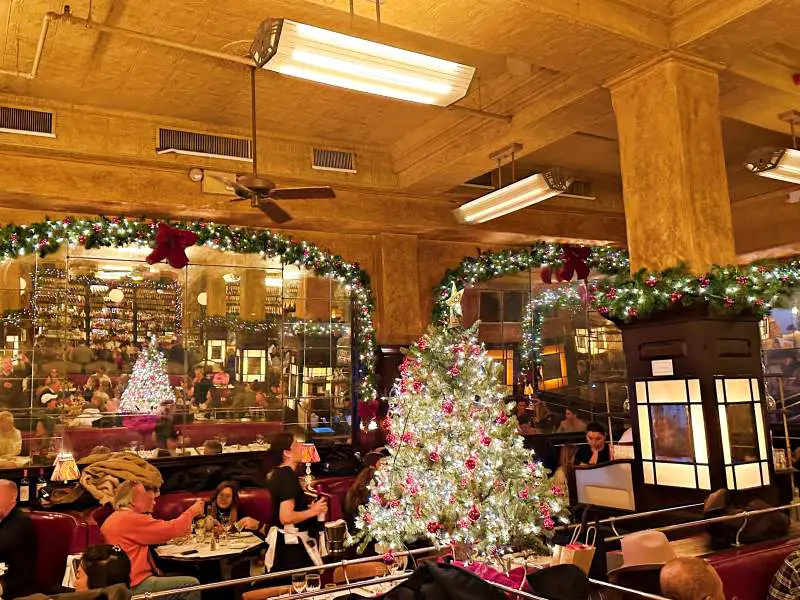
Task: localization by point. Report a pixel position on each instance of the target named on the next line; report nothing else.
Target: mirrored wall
(582, 361)
(249, 347)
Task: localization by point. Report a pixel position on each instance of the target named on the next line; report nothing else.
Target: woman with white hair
(10, 437)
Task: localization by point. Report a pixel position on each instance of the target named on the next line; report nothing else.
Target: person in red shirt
(132, 527)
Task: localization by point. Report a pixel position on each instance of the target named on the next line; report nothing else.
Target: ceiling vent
(203, 144)
(326, 159)
(24, 121)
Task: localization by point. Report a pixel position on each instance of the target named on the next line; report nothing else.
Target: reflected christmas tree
(148, 387)
(458, 472)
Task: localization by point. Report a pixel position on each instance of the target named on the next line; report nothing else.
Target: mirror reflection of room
(242, 340)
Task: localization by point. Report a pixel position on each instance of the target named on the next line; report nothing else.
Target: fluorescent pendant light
(516, 196)
(782, 164)
(345, 61)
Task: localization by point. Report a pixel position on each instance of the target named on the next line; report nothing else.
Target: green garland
(490, 265)
(48, 236)
(725, 291)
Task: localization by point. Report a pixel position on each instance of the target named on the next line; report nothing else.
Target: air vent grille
(26, 121)
(326, 159)
(203, 144)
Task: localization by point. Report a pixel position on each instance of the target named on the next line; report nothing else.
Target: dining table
(192, 550)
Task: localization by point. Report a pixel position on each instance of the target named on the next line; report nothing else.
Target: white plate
(237, 546)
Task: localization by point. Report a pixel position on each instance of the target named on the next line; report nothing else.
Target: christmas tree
(458, 472)
(149, 386)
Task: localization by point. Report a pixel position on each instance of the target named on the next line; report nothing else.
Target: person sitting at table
(18, 544)
(293, 508)
(358, 494)
(571, 423)
(596, 451)
(212, 447)
(101, 566)
(132, 527)
(10, 437)
(224, 504)
(42, 444)
(91, 412)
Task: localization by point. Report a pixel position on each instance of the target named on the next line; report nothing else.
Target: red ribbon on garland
(573, 263)
(171, 243)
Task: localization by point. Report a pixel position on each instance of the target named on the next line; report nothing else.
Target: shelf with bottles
(233, 297)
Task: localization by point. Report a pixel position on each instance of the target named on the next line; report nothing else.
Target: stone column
(397, 289)
(675, 189)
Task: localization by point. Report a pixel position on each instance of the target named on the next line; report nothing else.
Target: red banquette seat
(58, 535)
(747, 572)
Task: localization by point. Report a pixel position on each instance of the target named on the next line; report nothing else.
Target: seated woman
(294, 509)
(101, 566)
(357, 495)
(596, 451)
(42, 444)
(10, 437)
(224, 504)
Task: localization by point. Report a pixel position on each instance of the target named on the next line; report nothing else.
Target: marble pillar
(675, 189)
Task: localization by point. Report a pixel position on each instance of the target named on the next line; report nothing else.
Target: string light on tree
(148, 388)
(458, 472)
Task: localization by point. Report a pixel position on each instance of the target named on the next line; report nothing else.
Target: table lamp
(309, 455)
(65, 468)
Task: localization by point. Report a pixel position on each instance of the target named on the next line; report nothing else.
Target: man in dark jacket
(17, 544)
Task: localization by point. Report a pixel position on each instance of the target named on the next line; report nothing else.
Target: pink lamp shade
(309, 453)
(65, 468)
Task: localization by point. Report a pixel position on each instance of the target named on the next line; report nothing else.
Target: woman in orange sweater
(132, 527)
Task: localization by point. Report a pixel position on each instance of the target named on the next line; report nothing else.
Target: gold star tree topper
(453, 303)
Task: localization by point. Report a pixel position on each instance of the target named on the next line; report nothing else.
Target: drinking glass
(226, 526)
(312, 582)
(299, 583)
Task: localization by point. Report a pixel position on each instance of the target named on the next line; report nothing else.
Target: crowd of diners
(124, 560)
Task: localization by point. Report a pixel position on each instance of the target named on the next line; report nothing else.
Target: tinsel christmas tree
(458, 472)
(148, 387)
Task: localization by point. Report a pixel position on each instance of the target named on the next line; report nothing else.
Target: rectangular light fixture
(516, 196)
(782, 164)
(340, 60)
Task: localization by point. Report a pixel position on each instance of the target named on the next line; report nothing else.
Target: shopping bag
(578, 553)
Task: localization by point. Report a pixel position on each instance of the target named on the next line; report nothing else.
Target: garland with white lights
(48, 236)
(723, 291)
(490, 265)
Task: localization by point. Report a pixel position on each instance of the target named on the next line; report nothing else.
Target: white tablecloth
(234, 546)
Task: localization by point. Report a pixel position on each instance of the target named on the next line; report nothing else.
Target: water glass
(312, 582)
(298, 583)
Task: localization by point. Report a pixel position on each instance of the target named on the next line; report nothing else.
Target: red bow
(573, 263)
(171, 244)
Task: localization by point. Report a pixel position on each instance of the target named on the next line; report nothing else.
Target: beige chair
(270, 592)
(359, 571)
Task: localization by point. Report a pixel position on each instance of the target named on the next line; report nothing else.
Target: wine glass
(223, 440)
(298, 582)
(226, 526)
(313, 582)
(260, 439)
(133, 445)
(239, 525)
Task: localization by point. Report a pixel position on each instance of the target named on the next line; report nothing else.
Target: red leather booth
(253, 502)
(747, 572)
(58, 534)
(335, 489)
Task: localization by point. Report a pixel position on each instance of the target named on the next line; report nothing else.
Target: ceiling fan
(262, 191)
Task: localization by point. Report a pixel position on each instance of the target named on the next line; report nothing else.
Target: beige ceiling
(543, 62)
